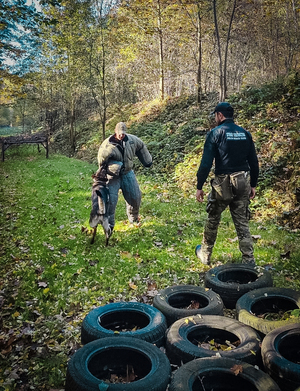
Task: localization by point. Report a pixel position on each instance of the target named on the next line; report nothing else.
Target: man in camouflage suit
(236, 173)
(116, 158)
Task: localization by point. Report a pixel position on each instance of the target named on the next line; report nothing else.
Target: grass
(52, 276)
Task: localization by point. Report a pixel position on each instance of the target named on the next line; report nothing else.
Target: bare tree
(223, 71)
(161, 52)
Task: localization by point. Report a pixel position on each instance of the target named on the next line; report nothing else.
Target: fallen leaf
(256, 237)
(151, 285)
(8, 350)
(236, 369)
(194, 305)
(42, 284)
(205, 345)
(125, 254)
(93, 263)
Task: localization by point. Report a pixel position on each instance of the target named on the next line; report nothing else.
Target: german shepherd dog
(99, 213)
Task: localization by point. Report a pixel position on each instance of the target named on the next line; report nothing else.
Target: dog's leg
(106, 229)
(94, 234)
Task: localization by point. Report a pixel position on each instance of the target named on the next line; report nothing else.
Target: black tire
(185, 334)
(141, 320)
(281, 356)
(221, 374)
(92, 365)
(254, 304)
(231, 281)
(172, 302)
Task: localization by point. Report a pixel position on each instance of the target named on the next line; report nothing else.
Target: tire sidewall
(274, 362)
(78, 365)
(247, 301)
(161, 302)
(231, 292)
(179, 347)
(154, 332)
(186, 375)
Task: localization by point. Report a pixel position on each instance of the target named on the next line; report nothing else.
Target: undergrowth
(175, 129)
(52, 276)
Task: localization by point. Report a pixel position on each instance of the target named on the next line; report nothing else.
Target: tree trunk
(161, 54)
(103, 84)
(199, 70)
(226, 51)
(72, 126)
(219, 52)
(23, 115)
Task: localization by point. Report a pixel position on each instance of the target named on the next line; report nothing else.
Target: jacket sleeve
(206, 161)
(253, 164)
(143, 154)
(108, 151)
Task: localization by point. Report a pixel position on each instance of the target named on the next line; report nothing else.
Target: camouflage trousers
(239, 209)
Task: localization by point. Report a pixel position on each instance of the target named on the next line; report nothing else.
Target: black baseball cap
(225, 108)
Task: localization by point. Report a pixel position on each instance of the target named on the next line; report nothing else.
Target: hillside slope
(175, 130)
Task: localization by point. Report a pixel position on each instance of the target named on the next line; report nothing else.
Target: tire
(92, 365)
(281, 356)
(172, 300)
(144, 321)
(253, 305)
(184, 335)
(221, 374)
(231, 281)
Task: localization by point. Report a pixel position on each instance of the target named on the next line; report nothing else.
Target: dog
(99, 213)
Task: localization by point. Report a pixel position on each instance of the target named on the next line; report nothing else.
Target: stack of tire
(121, 350)
(250, 291)
(131, 346)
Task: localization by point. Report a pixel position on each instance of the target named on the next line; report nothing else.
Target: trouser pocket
(222, 188)
(240, 183)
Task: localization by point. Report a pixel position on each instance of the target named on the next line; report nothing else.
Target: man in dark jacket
(236, 173)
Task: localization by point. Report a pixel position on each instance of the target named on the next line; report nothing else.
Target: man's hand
(200, 195)
(252, 193)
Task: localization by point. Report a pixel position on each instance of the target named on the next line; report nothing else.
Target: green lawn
(51, 276)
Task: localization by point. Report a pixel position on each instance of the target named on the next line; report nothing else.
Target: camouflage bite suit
(121, 176)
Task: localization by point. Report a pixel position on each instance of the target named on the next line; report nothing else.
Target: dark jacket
(233, 150)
